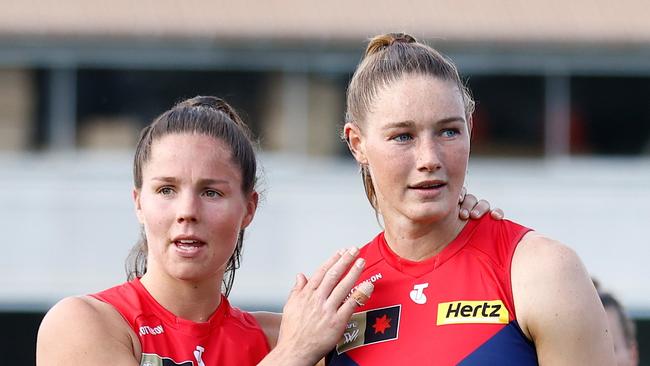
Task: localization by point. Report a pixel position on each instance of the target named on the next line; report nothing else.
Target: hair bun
(381, 42)
(216, 104)
(204, 101)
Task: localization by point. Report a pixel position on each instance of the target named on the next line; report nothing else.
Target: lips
(188, 243)
(429, 184)
(188, 246)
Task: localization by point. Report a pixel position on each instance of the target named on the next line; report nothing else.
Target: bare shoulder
(557, 305)
(540, 259)
(82, 330)
(270, 324)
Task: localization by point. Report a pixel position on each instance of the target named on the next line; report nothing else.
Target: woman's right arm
(83, 331)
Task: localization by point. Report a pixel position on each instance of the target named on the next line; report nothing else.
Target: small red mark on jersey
(381, 324)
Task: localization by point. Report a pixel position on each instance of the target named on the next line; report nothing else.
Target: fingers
(315, 280)
(466, 205)
(342, 289)
(480, 209)
(472, 208)
(497, 214)
(358, 298)
(335, 272)
(301, 281)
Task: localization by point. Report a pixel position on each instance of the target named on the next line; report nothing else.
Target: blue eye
(450, 133)
(211, 193)
(403, 137)
(166, 191)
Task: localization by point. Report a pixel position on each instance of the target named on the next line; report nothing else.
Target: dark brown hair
(204, 115)
(388, 58)
(629, 330)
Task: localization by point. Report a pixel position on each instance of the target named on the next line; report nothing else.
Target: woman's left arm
(557, 305)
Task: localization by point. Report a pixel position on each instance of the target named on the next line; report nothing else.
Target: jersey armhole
(516, 240)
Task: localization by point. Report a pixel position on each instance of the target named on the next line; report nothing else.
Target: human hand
(471, 207)
(318, 309)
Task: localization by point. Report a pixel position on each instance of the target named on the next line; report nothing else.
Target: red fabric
(475, 267)
(229, 337)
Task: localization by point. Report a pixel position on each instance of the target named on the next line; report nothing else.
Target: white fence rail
(67, 221)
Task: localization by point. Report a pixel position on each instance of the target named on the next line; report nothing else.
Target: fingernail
(353, 251)
(341, 251)
(360, 262)
(475, 212)
(464, 213)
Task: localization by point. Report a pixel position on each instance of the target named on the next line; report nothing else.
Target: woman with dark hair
(194, 178)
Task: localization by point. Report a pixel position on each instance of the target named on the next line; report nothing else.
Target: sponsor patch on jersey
(368, 327)
(464, 312)
(152, 359)
(147, 330)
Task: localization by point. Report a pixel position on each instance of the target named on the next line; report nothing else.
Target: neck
(195, 301)
(417, 241)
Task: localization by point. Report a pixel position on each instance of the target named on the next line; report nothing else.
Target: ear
(356, 142)
(251, 208)
(470, 125)
(137, 206)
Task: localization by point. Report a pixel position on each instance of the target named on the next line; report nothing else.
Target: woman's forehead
(190, 150)
(416, 95)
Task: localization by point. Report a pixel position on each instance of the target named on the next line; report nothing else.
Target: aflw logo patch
(368, 327)
(462, 312)
(152, 359)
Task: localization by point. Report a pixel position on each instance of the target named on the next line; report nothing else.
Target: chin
(192, 273)
(430, 214)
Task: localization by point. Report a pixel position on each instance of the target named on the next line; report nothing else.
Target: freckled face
(192, 206)
(415, 141)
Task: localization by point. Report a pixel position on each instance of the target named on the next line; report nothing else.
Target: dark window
(509, 117)
(610, 115)
(132, 98)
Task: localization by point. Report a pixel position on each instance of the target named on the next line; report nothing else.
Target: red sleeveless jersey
(229, 337)
(455, 308)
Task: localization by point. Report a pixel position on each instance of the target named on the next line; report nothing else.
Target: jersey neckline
(420, 268)
(182, 324)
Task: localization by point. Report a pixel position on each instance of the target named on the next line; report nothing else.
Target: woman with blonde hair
(448, 291)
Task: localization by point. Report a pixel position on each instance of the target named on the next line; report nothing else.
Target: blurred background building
(561, 139)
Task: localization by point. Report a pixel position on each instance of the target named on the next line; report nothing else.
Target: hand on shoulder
(318, 310)
(83, 330)
(557, 305)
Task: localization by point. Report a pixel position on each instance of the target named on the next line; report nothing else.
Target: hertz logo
(462, 312)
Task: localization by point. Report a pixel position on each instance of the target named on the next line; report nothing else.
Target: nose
(428, 156)
(187, 209)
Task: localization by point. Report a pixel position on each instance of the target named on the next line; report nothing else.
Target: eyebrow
(410, 123)
(204, 181)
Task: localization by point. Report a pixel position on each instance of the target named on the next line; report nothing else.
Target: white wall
(67, 221)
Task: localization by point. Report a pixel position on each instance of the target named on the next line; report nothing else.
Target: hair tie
(402, 38)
